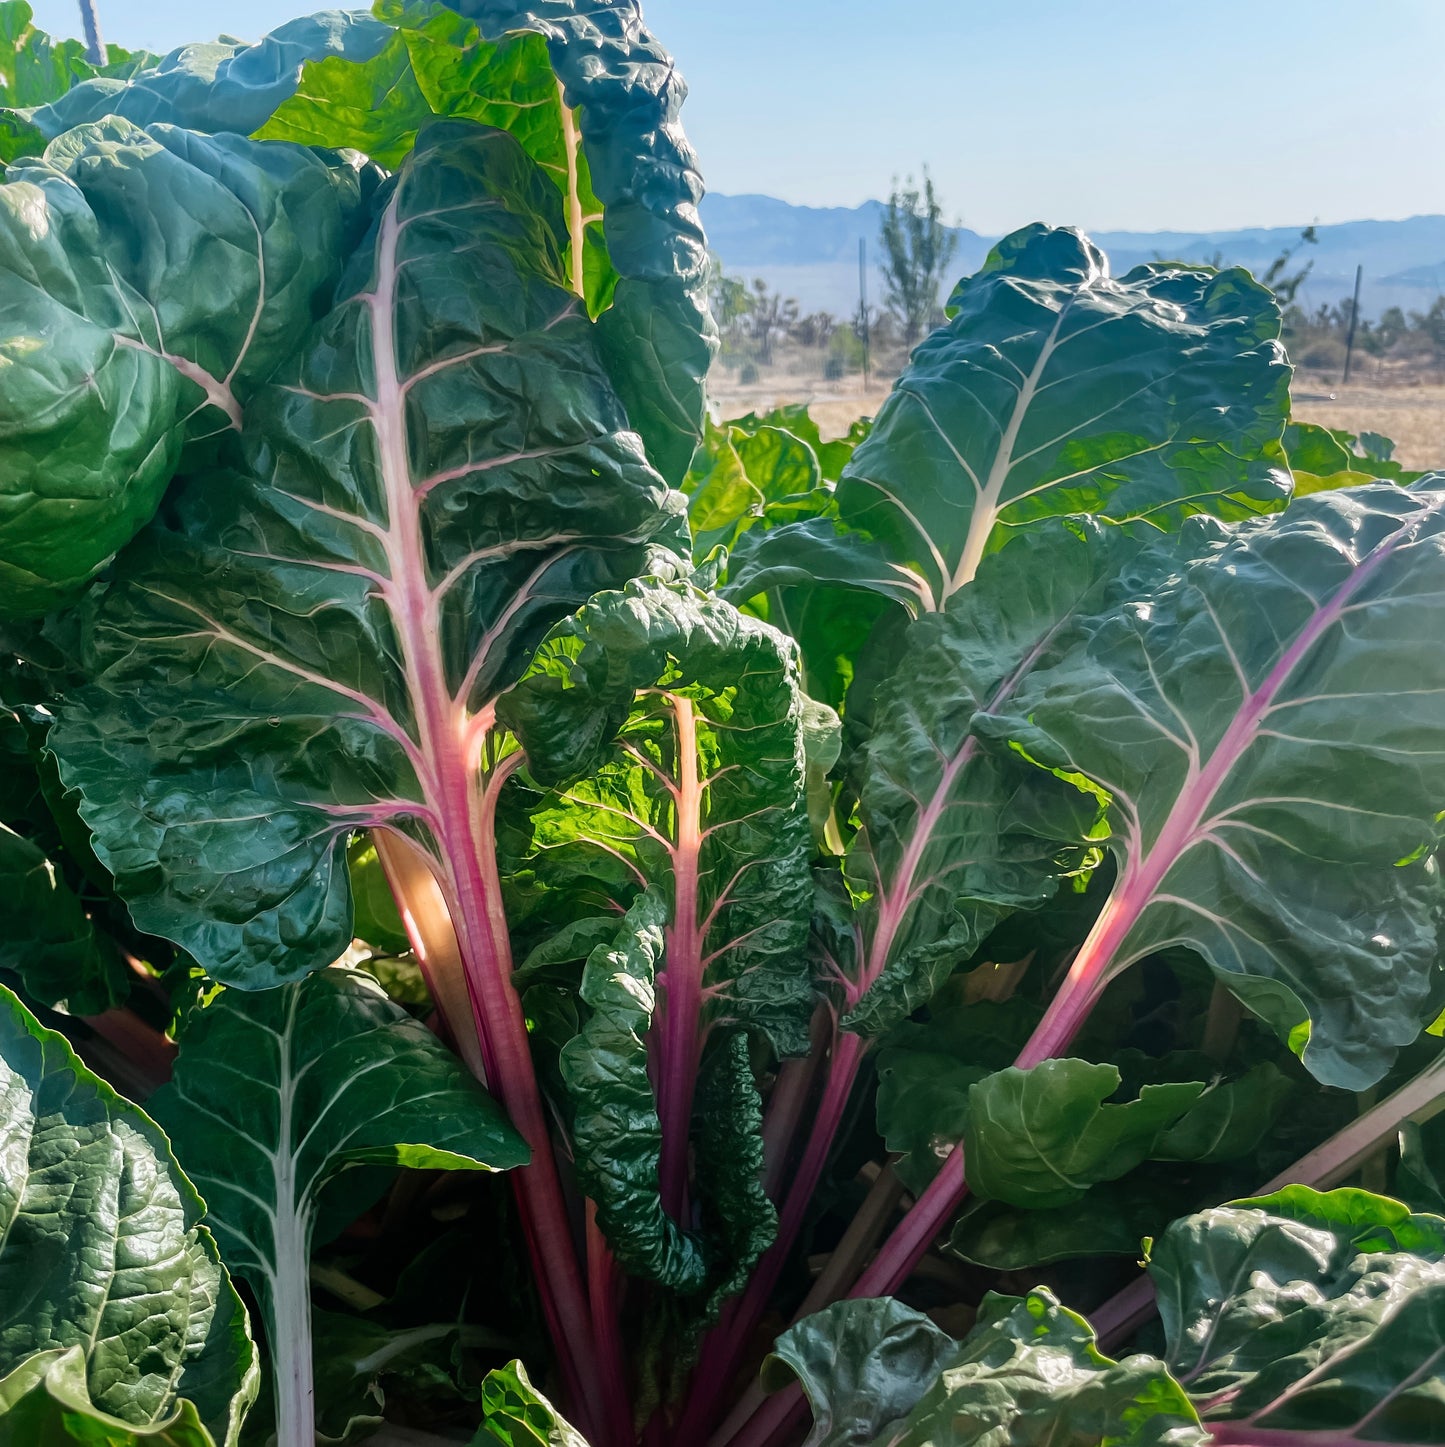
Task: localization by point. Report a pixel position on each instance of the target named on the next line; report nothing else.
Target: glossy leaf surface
(878, 1373)
(953, 836)
(1267, 718)
(326, 633)
(1308, 1312)
(112, 1298)
(125, 339)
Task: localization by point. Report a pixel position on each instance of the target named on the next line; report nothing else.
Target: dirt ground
(1411, 414)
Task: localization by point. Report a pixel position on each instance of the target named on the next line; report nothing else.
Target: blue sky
(1140, 114)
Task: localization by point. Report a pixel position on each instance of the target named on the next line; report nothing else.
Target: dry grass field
(1410, 413)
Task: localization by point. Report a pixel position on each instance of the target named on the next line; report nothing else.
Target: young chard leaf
(1042, 1137)
(1265, 785)
(115, 357)
(113, 1301)
(516, 1414)
(277, 1092)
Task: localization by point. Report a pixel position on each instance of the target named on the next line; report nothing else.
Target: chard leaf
(44, 1402)
(616, 1135)
(1308, 1316)
(1268, 719)
(112, 355)
(739, 1218)
(595, 101)
(516, 1414)
(227, 85)
(113, 1301)
(954, 837)
(1055, 389)
(682, 723)
(50, 944)
(275, 1093)
(436, 63)
(1027, 1375)
(1041, 1137)
(315, 645)
(862, 1364)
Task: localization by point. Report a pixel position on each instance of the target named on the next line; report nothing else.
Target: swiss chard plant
(859, 891)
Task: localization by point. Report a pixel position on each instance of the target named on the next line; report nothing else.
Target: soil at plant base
(1411, 413)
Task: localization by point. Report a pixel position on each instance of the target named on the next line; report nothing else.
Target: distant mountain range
(811, 252)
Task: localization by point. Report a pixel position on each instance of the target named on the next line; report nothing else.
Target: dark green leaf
(955, 837)
(1268, 718)
(863, 1364)
(50, 944)
(1054, 389)
(275, 1093)
(1027, 1375)
(688, 723)
(104, 1269)
(616, 1135)
(300, 650)
(1308, 1313)
(151, 280)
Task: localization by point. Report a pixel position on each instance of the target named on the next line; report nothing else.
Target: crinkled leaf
(1041, 1137)
(1055, 389)
(44, 1402)
(314, 645)
(518, 1415)
(275, 1092)
(1028, 1375)
(616, 1135)
(862, 1364)
(151, 279)
(227, 85)
(625, 89)
(101, 1255)
(741, 1221)
(954, 837)
(436, 63)
(50, 944)
(1268, 718)
(1308, 1312)
(685, 720)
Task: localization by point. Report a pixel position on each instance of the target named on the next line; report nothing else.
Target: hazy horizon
(1118, 115)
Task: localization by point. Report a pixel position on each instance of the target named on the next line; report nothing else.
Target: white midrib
(987, 506)
(289, 1281)
(576, 221)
